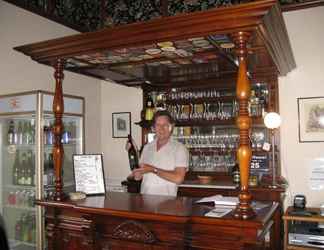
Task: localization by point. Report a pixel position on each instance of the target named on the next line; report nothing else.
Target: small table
(289, 218)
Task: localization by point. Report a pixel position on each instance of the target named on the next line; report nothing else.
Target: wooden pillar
(244, 121)
(58, 109)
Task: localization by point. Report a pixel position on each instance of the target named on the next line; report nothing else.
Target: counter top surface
(164, 208)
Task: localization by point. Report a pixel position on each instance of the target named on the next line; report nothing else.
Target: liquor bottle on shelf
(32, 131)
(48, 133)
(25, 133)
(28, 133)
(149, 109)
(72, 129)
(160, 102)
(12, 134)
(236, 174)
(48, 178)
(254, 105)
(66, 136)
(45, 131)
(20, 133)
(51, 174)
(46, 167)
(29, 179)
(15, 169)
(18, 229)
(22, 173)
(24, 228)
(132, 153)
(33, 229)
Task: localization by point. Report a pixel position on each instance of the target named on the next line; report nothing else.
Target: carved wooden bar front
(134, 221)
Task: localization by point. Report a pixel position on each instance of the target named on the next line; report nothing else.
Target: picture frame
(89, 174)
(121, 124)
(311, 119)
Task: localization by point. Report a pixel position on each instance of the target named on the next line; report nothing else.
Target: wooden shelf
(201, 100)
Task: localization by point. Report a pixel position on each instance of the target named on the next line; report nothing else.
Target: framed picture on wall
(311, 119)
(121, 124)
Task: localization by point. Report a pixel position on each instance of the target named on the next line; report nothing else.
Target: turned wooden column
(58, 109)
(244, 121)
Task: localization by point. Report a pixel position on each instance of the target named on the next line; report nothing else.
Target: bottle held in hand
(132, 153)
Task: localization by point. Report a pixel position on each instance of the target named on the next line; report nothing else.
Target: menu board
(89, 174)
(260, 163)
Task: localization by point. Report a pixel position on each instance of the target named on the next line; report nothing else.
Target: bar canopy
(175, 49)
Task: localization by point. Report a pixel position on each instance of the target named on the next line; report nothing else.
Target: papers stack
(219, 212)
(220, 200)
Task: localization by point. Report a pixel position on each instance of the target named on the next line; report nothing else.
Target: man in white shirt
(163, 162)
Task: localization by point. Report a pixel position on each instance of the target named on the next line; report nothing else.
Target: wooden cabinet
(74, 232)
(205, 122)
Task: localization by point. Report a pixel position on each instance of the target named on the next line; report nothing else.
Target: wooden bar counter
(135, 221)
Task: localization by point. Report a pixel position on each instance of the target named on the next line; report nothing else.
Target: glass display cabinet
(27, 169)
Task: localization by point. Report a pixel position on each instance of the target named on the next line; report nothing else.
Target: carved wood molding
(132, 230)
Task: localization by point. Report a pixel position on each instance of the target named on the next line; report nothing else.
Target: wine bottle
(15, 169)
(12, 135)
(45, 176)
(160, 102)
(18, 229)
(29, 169)
(149, 109)
(25, 133)
(29, 134)
(132, 153)
(20, 133)
(51, 173)
(236, 174)
(22, 173)
(50, 135)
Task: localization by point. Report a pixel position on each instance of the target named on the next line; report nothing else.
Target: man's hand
(143, 169)
(146, 168)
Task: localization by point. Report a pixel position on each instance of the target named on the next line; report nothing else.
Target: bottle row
(23, 132)
(21, 198)
(69, 133)
(23, 169)
(25, 228)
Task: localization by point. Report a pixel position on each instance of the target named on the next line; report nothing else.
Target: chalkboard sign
(89, 174)
(260, 163)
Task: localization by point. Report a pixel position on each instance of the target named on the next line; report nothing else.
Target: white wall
(305, 29)
(19, 73)
(116, 98)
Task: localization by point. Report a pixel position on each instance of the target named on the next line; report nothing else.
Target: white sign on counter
(89, 174)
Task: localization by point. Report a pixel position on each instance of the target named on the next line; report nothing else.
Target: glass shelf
(25, 208)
